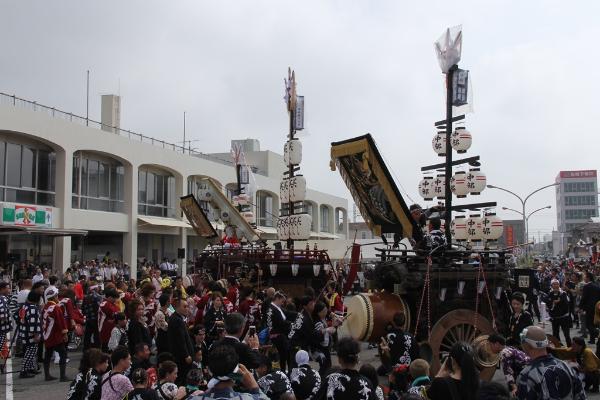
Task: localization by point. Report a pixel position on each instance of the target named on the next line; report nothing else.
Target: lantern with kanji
(476, 181)
(461, 140)
(292, 152)
(492, 227)
(458, 184)
(426, 188)
(474, 228)
(439, 144)
(439, 186)
(458, 228)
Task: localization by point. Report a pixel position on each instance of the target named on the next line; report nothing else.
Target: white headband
(218, 379)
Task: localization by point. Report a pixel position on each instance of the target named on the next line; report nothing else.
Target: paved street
(23, 389)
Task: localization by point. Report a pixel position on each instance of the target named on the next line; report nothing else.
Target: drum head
(359, 316)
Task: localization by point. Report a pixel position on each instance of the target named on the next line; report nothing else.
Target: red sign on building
(510, 237)
(589, 173)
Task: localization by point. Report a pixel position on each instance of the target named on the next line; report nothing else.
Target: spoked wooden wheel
(459, 326)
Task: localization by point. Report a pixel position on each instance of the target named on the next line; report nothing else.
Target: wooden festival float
(451, 293)
(236, 247)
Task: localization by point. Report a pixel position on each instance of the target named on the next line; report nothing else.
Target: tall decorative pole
(290, 85)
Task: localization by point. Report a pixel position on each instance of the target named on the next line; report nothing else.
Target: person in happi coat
(106, 316)
(5, 319)
(87, 384)
(30, 333)
(305, 381)
(279, 328)
(398, 346)
(273, 383)
(302, 333)
(347, 383)
(54, 329)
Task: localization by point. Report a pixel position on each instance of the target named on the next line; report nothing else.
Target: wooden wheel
(459, 326)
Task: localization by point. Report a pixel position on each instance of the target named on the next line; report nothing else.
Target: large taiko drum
(370, 313)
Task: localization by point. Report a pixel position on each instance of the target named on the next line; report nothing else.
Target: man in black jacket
(180, 341)
(279, 328)
(247, 352)
(558, 308)
(302, 333)
(590, 295)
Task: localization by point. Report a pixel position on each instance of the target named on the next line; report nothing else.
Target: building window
(581, 213)
(309, 208)
(98, 183)
(587, 200)
(156, 193)
(579, 187)
(27, 174)
(264, 210)
(340, 220)
(325, 219)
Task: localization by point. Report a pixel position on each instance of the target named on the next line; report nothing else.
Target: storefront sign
(578, 174)
(24, 215)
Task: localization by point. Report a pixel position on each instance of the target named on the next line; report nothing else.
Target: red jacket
(106, 319)
(233, 295)
(71, 313)
(54, 325)
(201, 306)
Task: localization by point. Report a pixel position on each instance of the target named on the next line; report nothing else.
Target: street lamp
(526, 217)
(523, 202)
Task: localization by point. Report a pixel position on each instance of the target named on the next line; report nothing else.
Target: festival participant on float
(30, 333)
(512, 360)
(279, 328)
(106, 317)
(54, 329)
(545, 377)
(347, 384)
(519, 319)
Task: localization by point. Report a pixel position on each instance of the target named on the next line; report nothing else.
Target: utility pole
(87, 100)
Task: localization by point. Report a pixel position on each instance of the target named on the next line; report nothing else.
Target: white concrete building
(61, 174)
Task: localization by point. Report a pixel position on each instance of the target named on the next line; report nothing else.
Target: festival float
(236, 246)
(450, 293)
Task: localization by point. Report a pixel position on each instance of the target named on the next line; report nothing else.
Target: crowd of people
(161, 337)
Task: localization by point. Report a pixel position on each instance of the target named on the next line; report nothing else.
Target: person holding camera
(247, 350)
(458, 376)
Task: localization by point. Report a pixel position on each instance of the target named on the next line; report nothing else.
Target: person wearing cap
(348, 383)
(106, 316)
(305, 381)
(5, 319)
(558, 308)
(54, 328)
(224, 365)
(519, 319)
(586, 362)
(546, 377)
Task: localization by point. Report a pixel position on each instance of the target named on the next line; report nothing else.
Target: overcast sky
(363, 66)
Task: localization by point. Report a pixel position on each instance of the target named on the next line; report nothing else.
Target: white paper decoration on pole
(242, 199)
(474, 228)
(295, 268)
(273, 268)
(476, 181)
(461, 140)
(458, 228)
(439, 144)
(316, 269)
(292, 152)
(292, 190)
(296, 227)
(458, 184)
(439, 186)
(249, 217)
(426, 188)
(492, 227)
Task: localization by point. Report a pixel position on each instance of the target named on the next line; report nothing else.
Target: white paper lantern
(316, 269)
(243, 199)
(284, 191)
(492, 227)
(224, 216)
(461, 140)
(295, 268)
(292, 189)
(292, 152)
(426, 188)
(458, 184)
(283, 230)
(474, 228)
(439, 186)
(458, 228)
(249, 217)
(439, 144)
(299, 226)
(476, 181)
(273, 268)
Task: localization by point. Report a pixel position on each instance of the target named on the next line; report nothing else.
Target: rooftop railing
(7, 99)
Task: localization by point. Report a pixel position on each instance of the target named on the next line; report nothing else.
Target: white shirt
(22, 296)
(277, 307)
